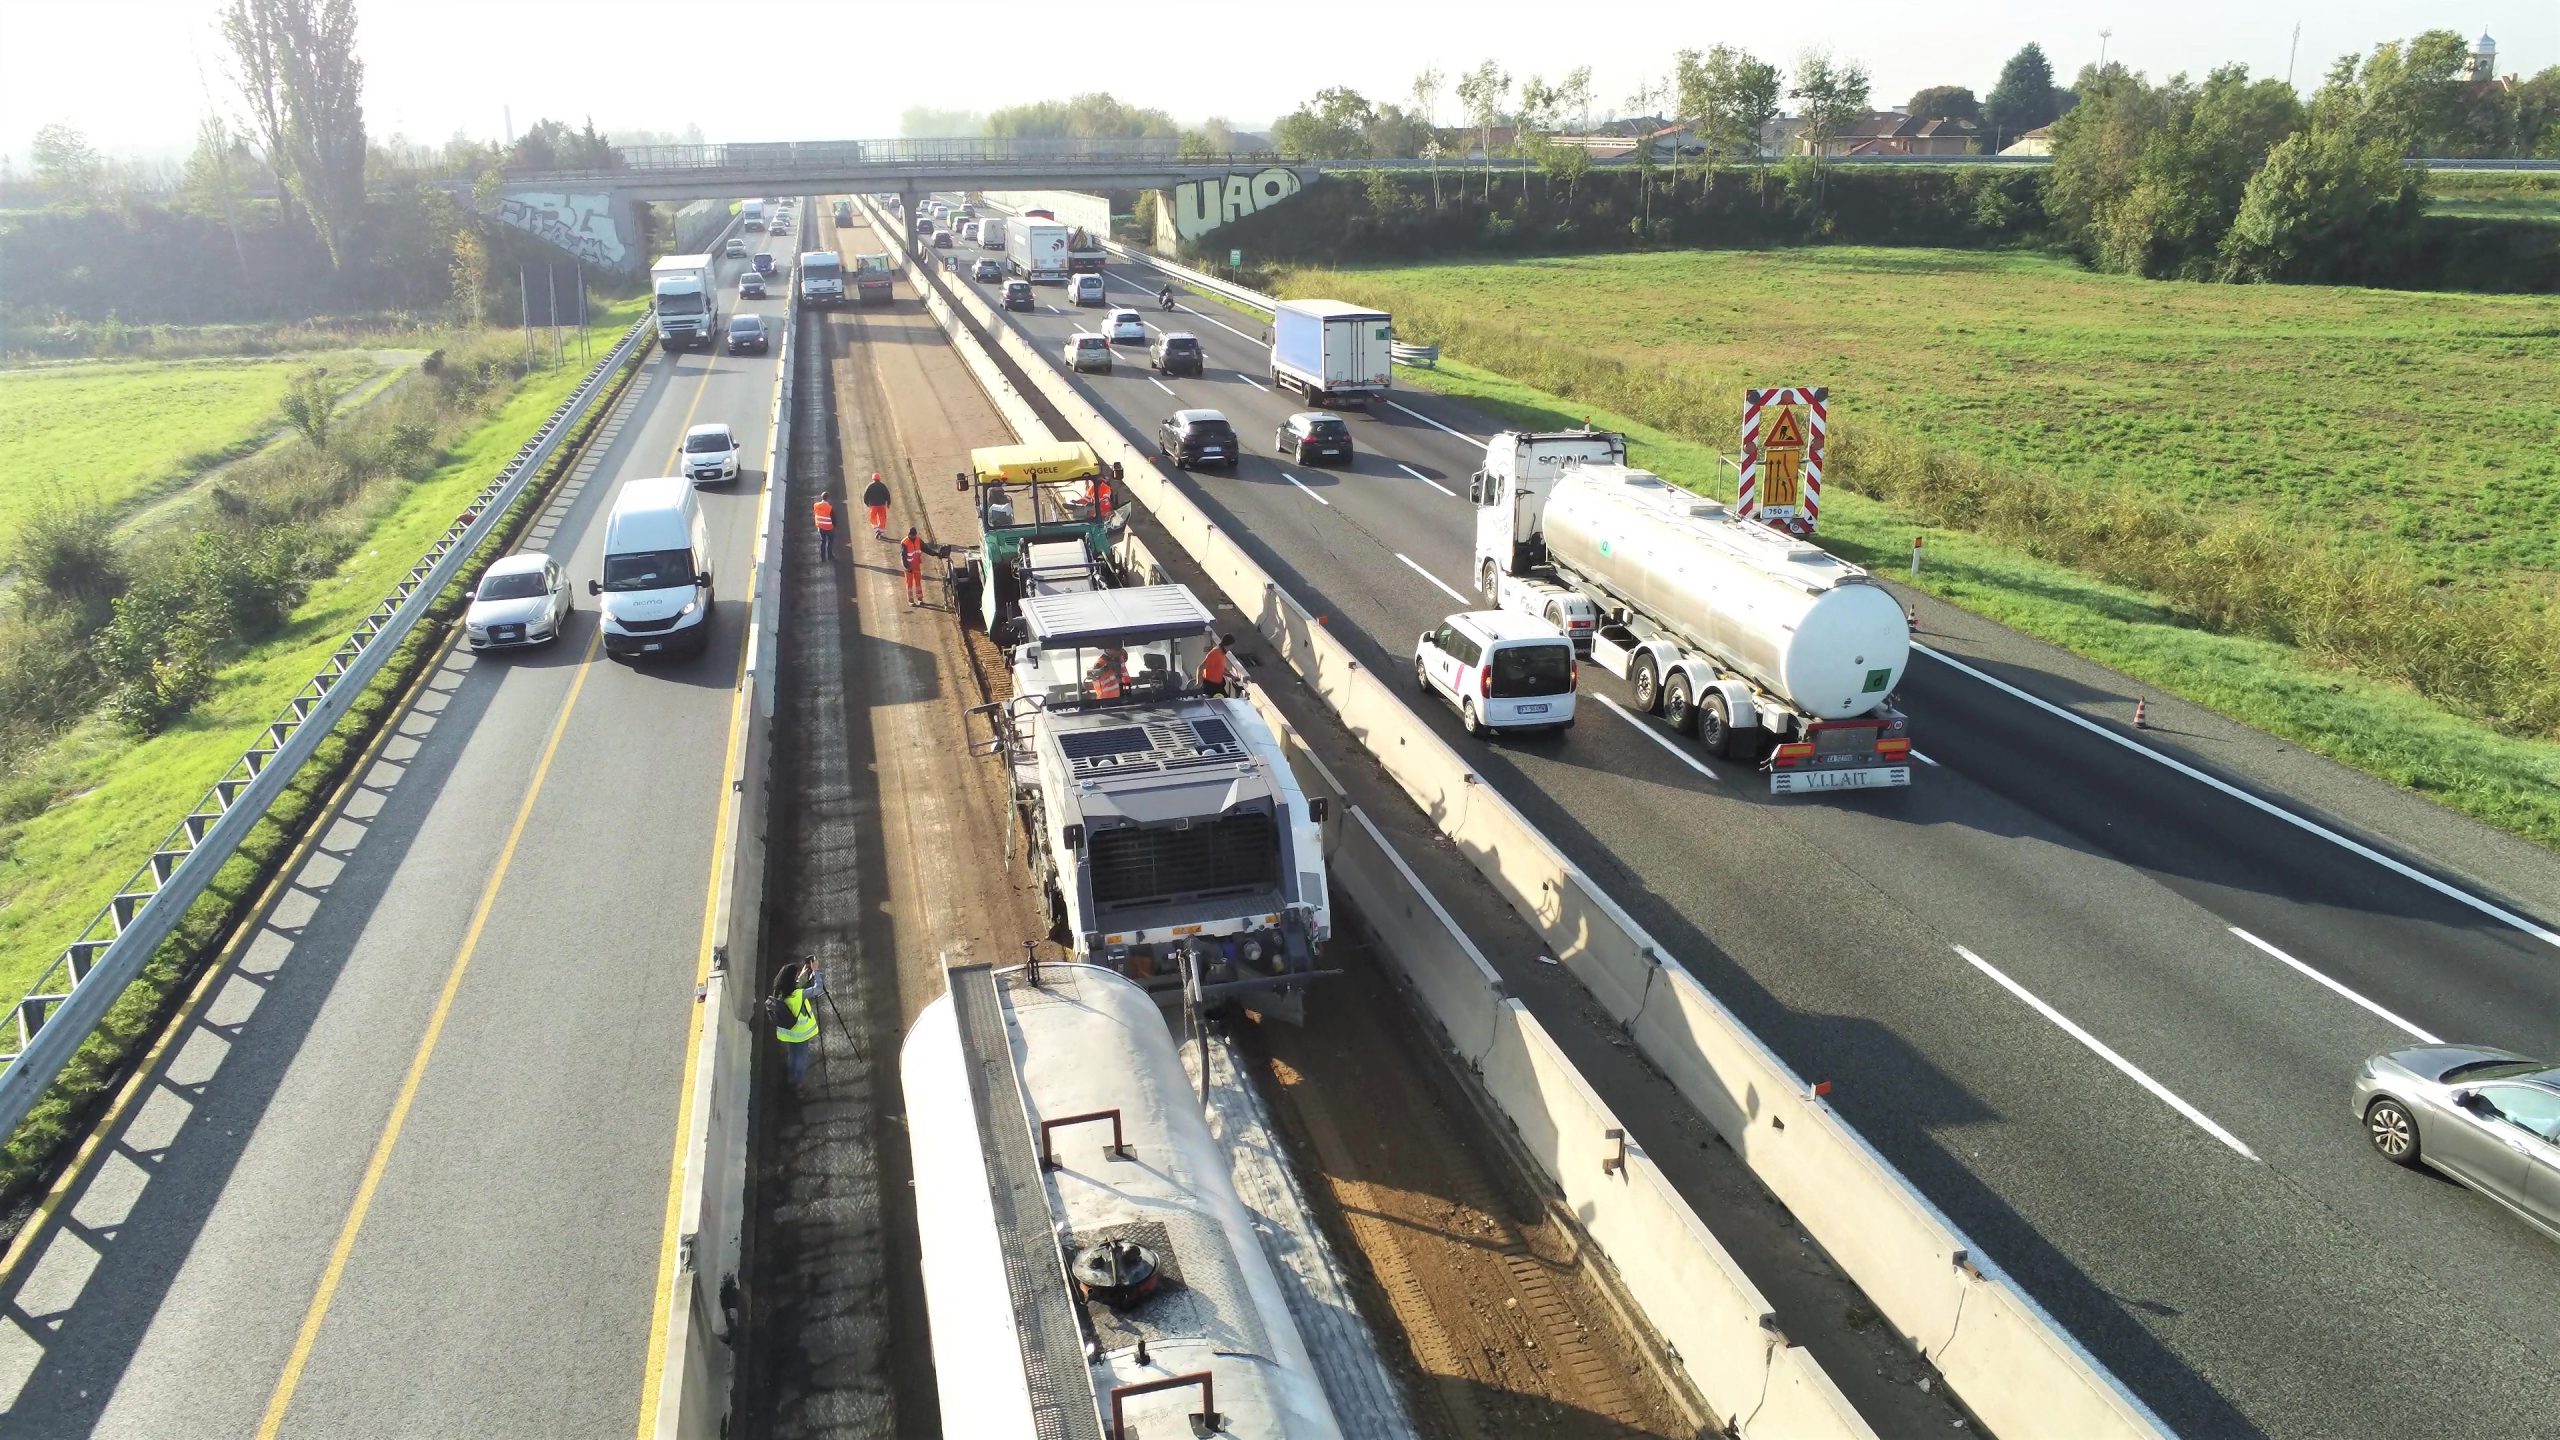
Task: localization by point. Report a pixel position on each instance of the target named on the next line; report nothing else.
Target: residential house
(1894, 132)
(2038, 141)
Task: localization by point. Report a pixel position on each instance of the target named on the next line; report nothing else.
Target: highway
(2102, 1012)
(408, 1169)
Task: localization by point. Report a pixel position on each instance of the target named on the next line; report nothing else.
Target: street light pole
(2102, 50)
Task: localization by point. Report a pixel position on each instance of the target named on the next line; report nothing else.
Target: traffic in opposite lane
(2048, 938)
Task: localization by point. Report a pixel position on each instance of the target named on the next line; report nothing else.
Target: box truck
(1036, 250)
(1331, 352)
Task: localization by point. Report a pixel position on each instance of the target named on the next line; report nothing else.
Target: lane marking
(1160, 385)
(1302, 485)
(1644, 727)
(1054, 310)
(2407, 872)
(146, 1076)
(1249, 380)
(1434, 424)
(332, 1273)
(389, 1140)
(653, 1369)
(1416, 567)
(2403, 1026)
(1427, 480)
(1923, 759)
(2131, 1071)
(1128, 284)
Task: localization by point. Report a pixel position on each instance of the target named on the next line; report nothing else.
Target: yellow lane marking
(282, 1400)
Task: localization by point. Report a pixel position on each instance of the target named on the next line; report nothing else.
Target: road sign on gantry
(1782, 435)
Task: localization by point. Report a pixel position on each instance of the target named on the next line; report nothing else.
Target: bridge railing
(791, 157)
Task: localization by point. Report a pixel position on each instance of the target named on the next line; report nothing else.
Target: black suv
(747, 332)
(1017, 294)
(1312, 435)
(1198, 437)
(1179, 354)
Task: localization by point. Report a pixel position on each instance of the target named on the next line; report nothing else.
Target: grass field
(2420, 423)
(64, 864)
(114, 432)
(2495, 194)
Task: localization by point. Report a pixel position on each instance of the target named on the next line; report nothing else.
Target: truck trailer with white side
(1765, 647)
(1332, 352)
(1036, 250)
(1090, 1272)
(684, 299)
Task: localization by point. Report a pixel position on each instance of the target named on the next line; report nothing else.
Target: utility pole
(2102, 50)
(2290, 51)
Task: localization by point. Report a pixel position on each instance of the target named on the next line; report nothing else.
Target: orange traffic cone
(2140, 706)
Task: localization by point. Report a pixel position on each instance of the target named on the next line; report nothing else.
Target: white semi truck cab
(1765, 647)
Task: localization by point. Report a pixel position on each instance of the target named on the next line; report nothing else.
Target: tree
(1483, 91)
(1946, 102)
(2537, 128)
(2327, 206)
(1573, 98)
(1333, 126)
(310, 406)
(1212, 138)
(1395, 133)
(1737, 98)
(256, 67)
(66, 165)
(551, 145)
(1647, 95)
(2024, 99)
(1833, 97)
(2410, 96)
(1532, 118)
(1093, 116)
(219, 155)
(1426, 103)
(2146, 178)
(324, 103)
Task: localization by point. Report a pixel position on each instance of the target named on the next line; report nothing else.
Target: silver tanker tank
(1795, 618)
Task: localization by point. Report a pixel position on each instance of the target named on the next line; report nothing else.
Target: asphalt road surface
(2066, 988)
(493, 952)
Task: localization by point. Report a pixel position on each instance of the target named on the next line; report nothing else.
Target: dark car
(750, 285)
(1198, 437)
(1313, 435)
(1017, 294)
(941, 239)
(763, 262)
(844, 213)
(747, 333)
(924, 225)
(986, 270)
(1180, 354)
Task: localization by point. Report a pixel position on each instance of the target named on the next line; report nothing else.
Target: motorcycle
(1164, 301)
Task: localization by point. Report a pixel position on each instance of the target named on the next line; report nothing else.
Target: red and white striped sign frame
(1756, 405)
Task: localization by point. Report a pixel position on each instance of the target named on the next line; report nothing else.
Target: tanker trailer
(1767, 648)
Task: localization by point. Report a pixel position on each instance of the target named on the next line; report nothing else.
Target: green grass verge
(2386, 731)
(65, 864)
(2416, 427)
(112, 432)
(43, 1139)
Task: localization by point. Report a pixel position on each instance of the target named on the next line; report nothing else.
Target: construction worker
(1216, 668)
(825, 511)
(795, 1020)
(875, 496)
(911, 553)
(1109, 673)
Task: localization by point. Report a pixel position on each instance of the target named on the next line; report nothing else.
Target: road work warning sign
(1782, 434)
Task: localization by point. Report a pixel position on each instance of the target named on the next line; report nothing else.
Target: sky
(134, 75)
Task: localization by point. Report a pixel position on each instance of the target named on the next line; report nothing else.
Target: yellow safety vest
(804, 1021)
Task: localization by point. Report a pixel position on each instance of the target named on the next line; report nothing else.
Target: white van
(1504, 671)
(1085, 289)
(657, 571)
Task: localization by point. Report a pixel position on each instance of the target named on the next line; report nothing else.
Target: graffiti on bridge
(583, 225)
(1200, 206)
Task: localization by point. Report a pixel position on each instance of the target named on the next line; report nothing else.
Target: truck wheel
(1648, 686)
(1490, 582)
(1715, 725)
(1675, 704)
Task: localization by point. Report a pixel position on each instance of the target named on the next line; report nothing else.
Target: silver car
(2488, 1118)
(522, 600)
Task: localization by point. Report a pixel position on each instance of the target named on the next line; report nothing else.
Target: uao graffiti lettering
(583, 225)
(1200, 206)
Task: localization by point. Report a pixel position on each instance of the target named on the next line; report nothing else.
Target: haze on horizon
(848, 69)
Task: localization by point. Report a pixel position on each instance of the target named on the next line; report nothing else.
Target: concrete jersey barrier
(2002, 1355)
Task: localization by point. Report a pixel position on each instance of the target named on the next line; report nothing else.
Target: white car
(1125, 328)
(710, 454)
(736, 249)
(1504, 671)
(1088, 352)
(522, 600)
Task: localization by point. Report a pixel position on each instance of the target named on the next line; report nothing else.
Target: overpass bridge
(594, 213)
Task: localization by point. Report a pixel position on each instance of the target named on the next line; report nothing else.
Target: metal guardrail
(1423, 357)
(46, 1027)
